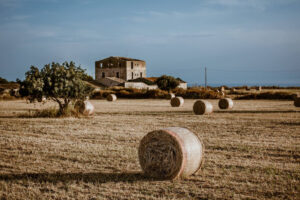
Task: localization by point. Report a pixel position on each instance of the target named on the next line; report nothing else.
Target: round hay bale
(259, 88)
(297, 102)
(170, 95)
(111, 97)
(232, 90)
(225, 103)
(202, 107)
(177, 101)
(84, 107)
(170, 153)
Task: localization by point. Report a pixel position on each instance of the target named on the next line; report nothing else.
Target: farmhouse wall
(139, 85)
(182, 85)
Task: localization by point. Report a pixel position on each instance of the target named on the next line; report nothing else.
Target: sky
(255, 42)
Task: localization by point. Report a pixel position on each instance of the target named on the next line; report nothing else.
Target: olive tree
(167, 82)
(61, 83)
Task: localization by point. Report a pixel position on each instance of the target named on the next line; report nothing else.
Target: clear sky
(239, 41)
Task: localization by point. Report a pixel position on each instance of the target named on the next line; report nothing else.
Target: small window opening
(131, 65)
(132, 75)
(117, 75)
(141, 74)
(103, 75)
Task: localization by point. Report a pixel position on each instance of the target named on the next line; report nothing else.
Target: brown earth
(252, 152)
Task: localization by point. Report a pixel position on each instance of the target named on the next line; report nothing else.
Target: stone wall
(135, 69)
(139, 85)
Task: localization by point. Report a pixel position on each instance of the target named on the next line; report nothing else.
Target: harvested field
(251, 151)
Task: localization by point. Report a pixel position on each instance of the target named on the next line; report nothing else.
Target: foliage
(61, 83)
(3, 80)
(146, 81)
(167, 82)
(268, 95)
(132, 93)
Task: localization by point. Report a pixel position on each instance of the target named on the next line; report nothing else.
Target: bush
(268, 95)
(132, 93)
(167, 82)
(195, 93)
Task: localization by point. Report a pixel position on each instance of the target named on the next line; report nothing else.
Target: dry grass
(252, 152)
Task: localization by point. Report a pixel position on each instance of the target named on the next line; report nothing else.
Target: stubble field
(251, 152)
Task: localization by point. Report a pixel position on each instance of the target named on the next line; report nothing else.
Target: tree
(3, 80)
(61, 83)
(167, 82)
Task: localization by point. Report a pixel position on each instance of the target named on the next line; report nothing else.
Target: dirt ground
(251, 152)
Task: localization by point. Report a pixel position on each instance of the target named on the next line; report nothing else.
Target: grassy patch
(51, 112)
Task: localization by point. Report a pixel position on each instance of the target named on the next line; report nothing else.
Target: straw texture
(202, 107)
(177, 101)
(170, 153)
(111, 97)
(225, 103)
(85, 107)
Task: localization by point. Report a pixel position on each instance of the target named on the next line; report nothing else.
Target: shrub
(268, 95)
(167, 82)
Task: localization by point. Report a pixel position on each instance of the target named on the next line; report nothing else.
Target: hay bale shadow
(257, 111)
(97, 177)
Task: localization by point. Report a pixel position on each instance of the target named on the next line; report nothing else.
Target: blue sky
(239, 41)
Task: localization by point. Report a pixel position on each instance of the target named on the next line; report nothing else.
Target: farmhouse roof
(121, 58)
(144, 80)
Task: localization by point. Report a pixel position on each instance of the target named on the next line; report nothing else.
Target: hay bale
(225, 103)
(170, 153)
(202, 107)
(177, 101)
(111, 97)
(84, 107)
(297, 102)
(170, 95)
(259, 88)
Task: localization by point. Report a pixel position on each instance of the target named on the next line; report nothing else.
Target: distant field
(251, 152)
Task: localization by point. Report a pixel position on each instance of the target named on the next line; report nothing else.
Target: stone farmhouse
(127, 72)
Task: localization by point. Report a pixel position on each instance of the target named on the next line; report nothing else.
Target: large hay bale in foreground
(297, 102)
(170, 153)
(202, 107)
(177, 101)
(225, 103)
(170, 95)
(111, 97)
(84, 107)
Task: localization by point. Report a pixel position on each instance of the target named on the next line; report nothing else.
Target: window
(117, 75)
(103, 75)
(132, 66)
(132, 75)
(141, 74)
(101, 65)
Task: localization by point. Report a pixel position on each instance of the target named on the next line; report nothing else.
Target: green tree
(167, 82)
(3, 80)
(61, 83)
